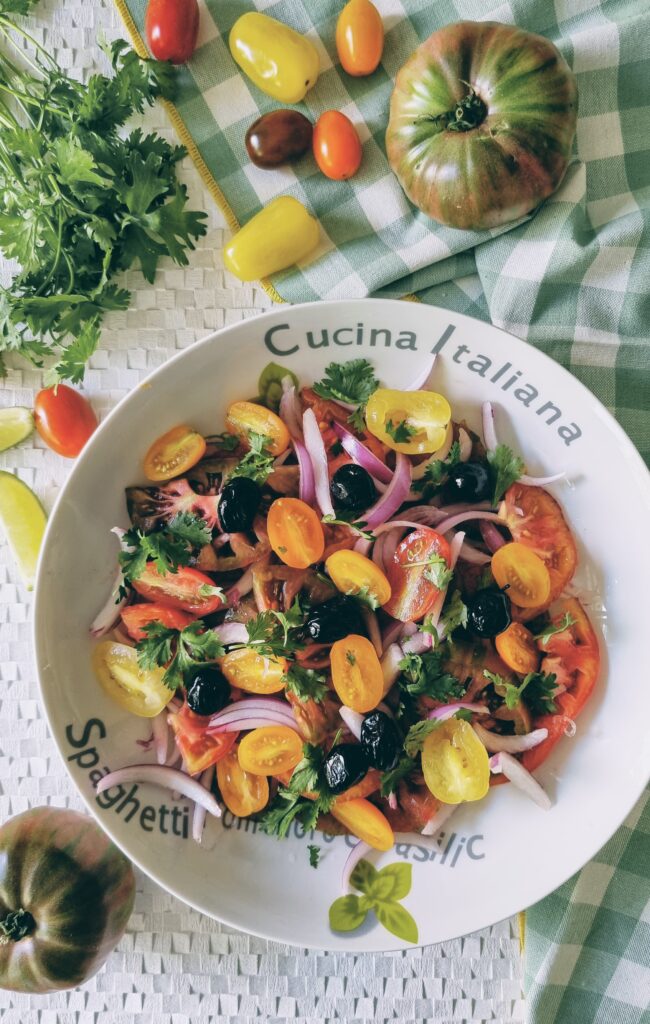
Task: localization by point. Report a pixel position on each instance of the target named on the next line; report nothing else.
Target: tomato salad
(348, 610)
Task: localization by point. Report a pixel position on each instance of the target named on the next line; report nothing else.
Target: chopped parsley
(274, 633)
(257, 463)
(416, 736)
(350, 657)
(536, 691)
(506, 468)
(391, 780)
(553, 630)
(366, 596)
(352, 382)
(305, 683)
(168, 549)
(290, 804)
(314, 855)
(401, 432)
(437, 470)
(436, 570)
(454, 614)
(424, 676)
(356, 527)
(179, 650)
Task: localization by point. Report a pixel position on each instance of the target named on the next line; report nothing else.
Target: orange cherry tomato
(136, 616)
(353, 573)
(365, 821)
(518, 567)
(356, 673)
(244, 418)
(517, 647)
(270, 750)
(359, 37)
(242, 793)
(186, 589)
(172, 27)
(414, 567)
(174, 453)
(199, 748)
(336, 145)
(64, 419)
(295, 532)
(253, 672)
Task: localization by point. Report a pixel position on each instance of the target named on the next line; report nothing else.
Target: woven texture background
(175, 966)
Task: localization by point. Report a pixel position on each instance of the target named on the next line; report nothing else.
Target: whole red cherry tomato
(172, 27)
(337, 147)
(64, 419)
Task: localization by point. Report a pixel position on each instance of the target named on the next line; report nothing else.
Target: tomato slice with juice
(413, 595)
(187, 589)
(199, 747)
(136, 616)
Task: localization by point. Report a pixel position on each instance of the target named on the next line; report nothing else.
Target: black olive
(469, 481)
(333, 620)
(344, 766)
(381, 740)
(208, 691)
(238, 504)
(352, 488)
(488, 613)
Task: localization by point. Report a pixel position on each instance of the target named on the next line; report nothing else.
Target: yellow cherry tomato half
(174, 453)
(336, 145)
(353, 573)
(365, 821)
(270, 750)
(455, 763)
(281, 234)
(359, 37)
(242, 792)
(281, 62)
(138, 690)
(253, 672)
(357, 673)
(528, 580)
(295, 532)
(244, 418)
(411, 422)
(518, 648)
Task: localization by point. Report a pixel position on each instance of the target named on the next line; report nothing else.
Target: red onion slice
(316, 449)
(242, 710)
(357, 853)
(253, 720)
(471, 554)
(231, 633)
(307, 489)
(392, 633)
(422, 377)
(391, 658)
(290, 409)
(374, 633)
(109, 613)
(393, 496)
(160, 728)
(363, 546)
(520, 777)
(392, 801)
(167, 778)
(198, 817)
(496, 744)
(449, 710)
(463, 517)
(491, 536)
(438, 456)
(362, 455)
(489, 433)
(542, 481)
(417, 643)
(454, 552)
(442, 815)
(465, 442)
(352, 719)
(243, 586)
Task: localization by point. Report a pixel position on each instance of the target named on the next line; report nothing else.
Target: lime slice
(15, 425)
(23, 520)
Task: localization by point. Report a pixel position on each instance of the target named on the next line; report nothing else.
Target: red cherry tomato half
(337, 147)
(188, 590)
(136, 616)
(412, 572)
(64, 419)
(199, 748)
(172, 27)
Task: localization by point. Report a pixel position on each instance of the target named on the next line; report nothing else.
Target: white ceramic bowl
(498, 856)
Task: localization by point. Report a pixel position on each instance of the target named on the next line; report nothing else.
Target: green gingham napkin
(573, 280)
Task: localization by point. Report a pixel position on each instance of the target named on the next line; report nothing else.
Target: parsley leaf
(314, 855)
(506, 468)
(391, 780)
(179, 650)
(454, 614)
(536, 690)
(437, 470)
(552, 629)
(305, 683)
(270, 632)
(225, 441)
(400, 432)
(288, 807)
(417, 734)
(168, 549)
(331, 520)
(257, 463)
(366, 596)
(437, 571)
(352, 382)
(423, 675)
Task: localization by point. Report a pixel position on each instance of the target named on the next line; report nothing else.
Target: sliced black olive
(208, 691)
(333, 620)
(469, 481)
(381, 740)
(344, 766)
(240, 499)
(352, 488)
(488, 613)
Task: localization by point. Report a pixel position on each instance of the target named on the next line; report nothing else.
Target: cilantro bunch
(79, 202)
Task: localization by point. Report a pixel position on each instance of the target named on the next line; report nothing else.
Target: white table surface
(175, 966)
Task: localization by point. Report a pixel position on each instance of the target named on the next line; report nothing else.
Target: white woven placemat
(175, 966)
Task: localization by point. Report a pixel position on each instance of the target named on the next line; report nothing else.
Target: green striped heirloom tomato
(482, 120)
(66, 895)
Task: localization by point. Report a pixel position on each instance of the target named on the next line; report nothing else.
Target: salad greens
(179, 650)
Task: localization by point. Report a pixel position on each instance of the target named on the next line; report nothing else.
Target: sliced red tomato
(327, 412)
(199, 748)
(543, 528)
(136, 616)
(317, 722)
(188, 590)
(574, 657)
(411, 571)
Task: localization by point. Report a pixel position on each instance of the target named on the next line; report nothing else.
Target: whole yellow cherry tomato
(278, 60)
(295, 532)
(245, 418)
(353, 573)
(411, 422)
(359, 37)
(270, 750)
(365, 821)
(253, 672)
(281, 234)
(357, 674)
(528, 580)
(241, 792)
(455, 763)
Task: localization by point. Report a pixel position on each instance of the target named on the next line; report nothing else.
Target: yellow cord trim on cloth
(521, 918)
(184, 135)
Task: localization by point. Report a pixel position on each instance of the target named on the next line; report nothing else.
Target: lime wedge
(23, 520)
(15, 425)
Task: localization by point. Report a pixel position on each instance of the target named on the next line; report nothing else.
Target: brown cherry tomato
(337, 147)
(278, 137)
(171, 27)
(359, 37)
(64, 419)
